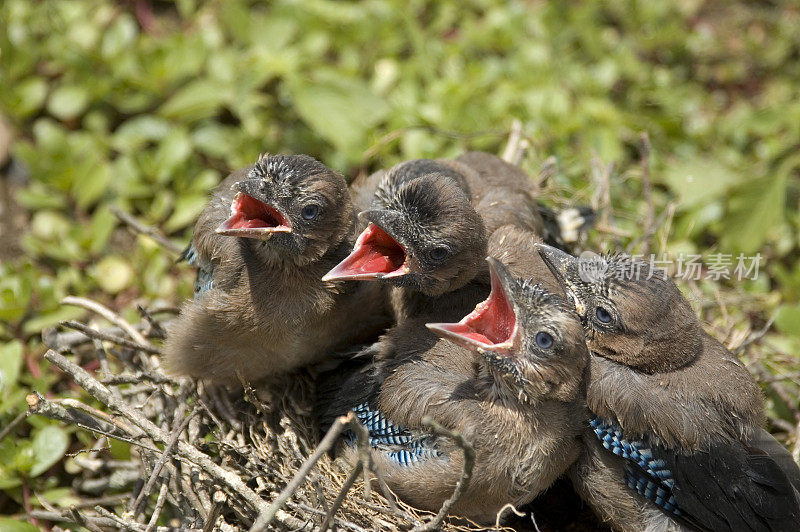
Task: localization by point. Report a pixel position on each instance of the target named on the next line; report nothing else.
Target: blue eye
(603, 316)
(544, 340)
(310, 211)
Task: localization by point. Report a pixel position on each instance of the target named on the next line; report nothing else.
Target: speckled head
(632, 313)
(531, 339)
(423, 232)
(292, 206)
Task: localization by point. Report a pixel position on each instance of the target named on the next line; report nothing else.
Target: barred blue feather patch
(396, 442)
(647, 476)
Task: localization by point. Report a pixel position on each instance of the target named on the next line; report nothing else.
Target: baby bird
(424, 239)
(507, 376)
(268, 235)
(427, 232)
(675, 439)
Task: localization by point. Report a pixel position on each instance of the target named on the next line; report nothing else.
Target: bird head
(290, 205)
(423, 233)
(531, 340)
(632, 313)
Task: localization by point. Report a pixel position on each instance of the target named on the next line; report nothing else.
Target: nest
(207, 458)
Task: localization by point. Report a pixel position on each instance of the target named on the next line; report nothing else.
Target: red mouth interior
(375, 253)
(492, 322)
(250, 213)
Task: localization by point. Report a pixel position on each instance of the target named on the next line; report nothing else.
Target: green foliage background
(147, 105)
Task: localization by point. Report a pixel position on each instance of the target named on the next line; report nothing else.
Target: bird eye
(310, 211)
(603, 316)
(544, 340)
(438, 254)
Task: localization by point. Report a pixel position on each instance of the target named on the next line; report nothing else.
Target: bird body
(517, 404)
(268, 235)
(675, 438)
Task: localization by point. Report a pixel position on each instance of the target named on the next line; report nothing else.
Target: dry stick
(92, 333)
(216, 511)
(517, 144)
(108, 314)
(647, 194)
(159, 465)
(463, 482)
(339, 522)
(162, 496)
(39, 405)
(56, 516)
(364, 456)
(11, 426)
(102, 356)
(225, 477)
(139, 227)
(324, 446)
(81, 520)
(326, 523)
(155, 328)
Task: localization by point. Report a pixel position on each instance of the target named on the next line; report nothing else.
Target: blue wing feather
(395, 441)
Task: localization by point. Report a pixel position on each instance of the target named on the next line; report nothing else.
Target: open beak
(492, 326)
(564, 267)
(376, 255)
(252, 218)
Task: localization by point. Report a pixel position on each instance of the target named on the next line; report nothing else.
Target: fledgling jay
(507, 376)
(262, 245)
(675, 440)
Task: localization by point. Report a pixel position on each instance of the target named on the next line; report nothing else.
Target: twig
(165, 455)
(502, 510)
(216, 511)
(39, 405)
(92, 333)
(351, 479)
(108, 314)
(162, 497)
(647, 194)
(547, 171)
(11, 426)
(140, 228)
(324, 446)
(364, 456)
(81, 519)
(463, 482)
(517, 144)
(225, 477)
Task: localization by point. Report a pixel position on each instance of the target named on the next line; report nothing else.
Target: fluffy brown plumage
(668, 385)
(518, 403)
(267, 311)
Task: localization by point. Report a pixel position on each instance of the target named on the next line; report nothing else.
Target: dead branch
(463, 482)
(138, 227)
(92, 333)
(108, 314)
(324, 446)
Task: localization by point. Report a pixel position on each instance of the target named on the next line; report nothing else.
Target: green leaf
(49, 445)
(48, 319)
(698, 180)
(68, 101)
(341, 111)
(89, 187)
(10, 364)
(187, 209)
(788, 319)
(196, 100)
(113, 273)
(757, 207)
(12, 525)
